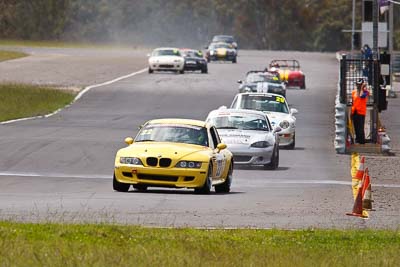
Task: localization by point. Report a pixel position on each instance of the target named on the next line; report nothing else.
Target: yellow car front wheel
(206, 188)
(120, 187)
(225, 187)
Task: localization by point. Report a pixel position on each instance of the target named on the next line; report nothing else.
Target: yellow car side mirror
(129, 140)
(221, 146)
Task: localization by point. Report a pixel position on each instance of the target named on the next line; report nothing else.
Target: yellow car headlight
(130, 160)
(188, 164)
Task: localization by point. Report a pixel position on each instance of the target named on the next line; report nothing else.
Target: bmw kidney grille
(163, 162)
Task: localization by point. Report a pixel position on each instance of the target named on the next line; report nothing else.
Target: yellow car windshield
(187, 134)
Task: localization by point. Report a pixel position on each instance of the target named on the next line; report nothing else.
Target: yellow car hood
(175, 151)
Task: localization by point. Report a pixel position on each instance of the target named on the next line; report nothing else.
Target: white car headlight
(130, 160)
(212, 52)
(188, 164)
(260, 144)
(284, 124)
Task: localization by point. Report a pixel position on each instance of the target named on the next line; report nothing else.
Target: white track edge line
(81, 93)
(98, 176)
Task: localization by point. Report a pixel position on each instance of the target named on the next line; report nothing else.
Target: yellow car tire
(120, 187)
(206, 188)
(225, 187)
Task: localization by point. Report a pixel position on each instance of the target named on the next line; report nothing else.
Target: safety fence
(351, 70)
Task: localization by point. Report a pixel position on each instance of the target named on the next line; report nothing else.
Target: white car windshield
(256, 77)
(173, 133)
(264, 103)
(221, 38)
(242, 122)
(166, 52)
(221, 45)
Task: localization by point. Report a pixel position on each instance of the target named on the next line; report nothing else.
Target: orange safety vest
(359, 104)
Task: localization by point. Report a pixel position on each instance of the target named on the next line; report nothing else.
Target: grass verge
(112, 245)
(64, 44)
(8, 55)
(21, 100)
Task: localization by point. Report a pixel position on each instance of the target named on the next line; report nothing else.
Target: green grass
(20, 100)
(113, 245)
(8, 55)
(64, 44)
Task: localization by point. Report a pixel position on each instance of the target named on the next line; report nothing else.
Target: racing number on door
(220, 164)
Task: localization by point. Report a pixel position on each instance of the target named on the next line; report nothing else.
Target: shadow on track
(259, 168)
(178, 192)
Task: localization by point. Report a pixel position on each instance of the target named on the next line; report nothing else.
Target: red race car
(289, 72)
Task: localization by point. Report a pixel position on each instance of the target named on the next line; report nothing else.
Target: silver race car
(277, 111)
(248, 135)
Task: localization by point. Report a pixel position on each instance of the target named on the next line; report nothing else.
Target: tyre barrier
(340, 125)
(384, 140)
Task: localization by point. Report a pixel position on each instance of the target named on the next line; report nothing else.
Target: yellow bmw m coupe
(178, 153)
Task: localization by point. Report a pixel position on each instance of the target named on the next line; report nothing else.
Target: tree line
(257, 24)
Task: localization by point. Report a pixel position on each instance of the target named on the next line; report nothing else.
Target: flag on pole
(383, 6)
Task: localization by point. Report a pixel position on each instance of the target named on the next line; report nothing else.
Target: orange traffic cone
(356, 179)
(355, 162)
(367, 195)
(360, 172)
(358, 205)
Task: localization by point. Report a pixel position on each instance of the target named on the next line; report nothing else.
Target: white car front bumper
(245, 155)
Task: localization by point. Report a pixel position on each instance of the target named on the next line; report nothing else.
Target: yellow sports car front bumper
(164, 177)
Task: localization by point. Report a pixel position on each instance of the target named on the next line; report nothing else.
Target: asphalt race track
(60, 168)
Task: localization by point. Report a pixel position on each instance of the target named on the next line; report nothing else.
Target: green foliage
(20, 101)
(261, 24)
(116, 245)
(327, 34)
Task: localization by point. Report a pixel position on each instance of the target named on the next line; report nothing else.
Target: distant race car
(289, 72)
(249, 136)
(221, 52)
(262, 81)
(194, 60)
(166, 59)
(277, 111)
(225, 39)
(177, 153)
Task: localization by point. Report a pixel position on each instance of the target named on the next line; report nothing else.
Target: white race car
(249, 136)
(277, 110)
(166, 59)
